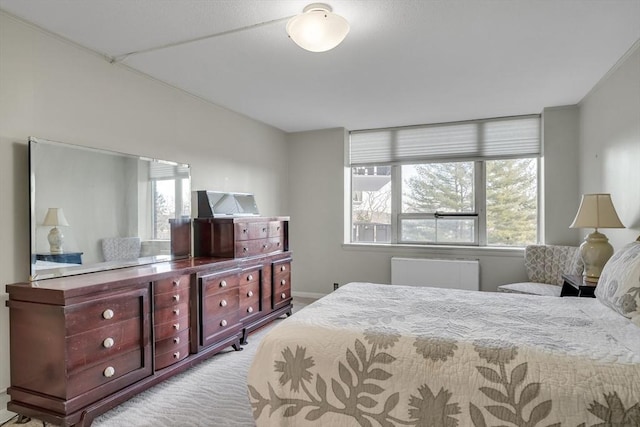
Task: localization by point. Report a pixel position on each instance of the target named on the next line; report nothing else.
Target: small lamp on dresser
(55, 218)
(596, 211)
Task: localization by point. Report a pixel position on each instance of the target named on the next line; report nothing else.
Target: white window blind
(167, 170)
(475, 140)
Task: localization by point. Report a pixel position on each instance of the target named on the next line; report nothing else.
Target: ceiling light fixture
(317, 29)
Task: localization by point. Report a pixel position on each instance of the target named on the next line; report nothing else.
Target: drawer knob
(249, 277)
(176, 311)
(264, 246)
(283, 295)
(278, 228)
(250, 294)
(283, 282)
(223, 303)
(244, 231)
(176, 282)
(250, 310)
(283, 268)
(176, 355)
(278, 244)
(109, 371)
(223, 323)
(176, 298)
(107, 314)
(176, 326)
(176, 340)
(244, 249)
(223, 284)
(108, 342)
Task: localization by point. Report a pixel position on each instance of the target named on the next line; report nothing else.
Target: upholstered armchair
(121, 248)
(545, 265)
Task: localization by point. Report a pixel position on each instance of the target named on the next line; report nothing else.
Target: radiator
(439, 273)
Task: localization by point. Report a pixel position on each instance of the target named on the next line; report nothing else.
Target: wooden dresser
(262, 297)
(81, 345)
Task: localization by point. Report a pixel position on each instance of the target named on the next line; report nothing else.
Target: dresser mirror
(94, 210)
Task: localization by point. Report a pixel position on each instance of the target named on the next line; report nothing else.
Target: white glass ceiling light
(317, 29)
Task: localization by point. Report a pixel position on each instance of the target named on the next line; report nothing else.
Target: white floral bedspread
(382, 355)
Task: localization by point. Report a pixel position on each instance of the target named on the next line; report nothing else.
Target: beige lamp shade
(55, 217)
(317, 29)
(596, 211)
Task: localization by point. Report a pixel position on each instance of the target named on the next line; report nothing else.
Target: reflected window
(170, 194)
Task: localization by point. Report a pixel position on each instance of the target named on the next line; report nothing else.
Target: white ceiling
(404, 61)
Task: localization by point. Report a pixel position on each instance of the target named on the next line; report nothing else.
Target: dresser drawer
(241, 231)
(102, 312)
(220, 303)
(258, 230)
(249, 248)
(276, 229)
(172, 343)
(250, 277)
(171, 357)
(170, 329)
(249, 299)
(107, 371)
(250, 293)
(281, 276)
(219, 282)
(281, 284)
(281, 297)
(103, 343)
(171, 284)
(251, 230)
(171, 313)
(169, 299)
(219, 327)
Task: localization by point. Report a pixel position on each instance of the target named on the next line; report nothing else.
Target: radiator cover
(438, 273)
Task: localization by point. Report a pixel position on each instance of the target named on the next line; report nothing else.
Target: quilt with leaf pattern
(383, 355)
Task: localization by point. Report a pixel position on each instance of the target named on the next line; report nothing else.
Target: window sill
(501, 251)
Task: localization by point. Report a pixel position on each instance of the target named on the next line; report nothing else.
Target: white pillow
(619, 284)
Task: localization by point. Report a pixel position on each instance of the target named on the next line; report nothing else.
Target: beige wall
(317, 211)
(54, 90)
(610, 144)
(560, 163)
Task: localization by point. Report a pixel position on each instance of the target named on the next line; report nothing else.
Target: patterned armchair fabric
(545, 265)
(121, 248)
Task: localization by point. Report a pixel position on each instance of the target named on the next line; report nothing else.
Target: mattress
(382, 355)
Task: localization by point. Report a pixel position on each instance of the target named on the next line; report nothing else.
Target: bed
(382, 355)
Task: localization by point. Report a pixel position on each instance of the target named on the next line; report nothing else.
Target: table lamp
(595, 211)
(55, 217)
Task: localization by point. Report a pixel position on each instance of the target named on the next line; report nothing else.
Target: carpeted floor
(211, 394)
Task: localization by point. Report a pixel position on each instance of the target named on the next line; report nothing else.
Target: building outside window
(467, 183)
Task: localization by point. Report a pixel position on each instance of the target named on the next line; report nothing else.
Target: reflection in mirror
(94, 210)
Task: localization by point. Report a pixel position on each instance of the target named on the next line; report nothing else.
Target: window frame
(479, 199)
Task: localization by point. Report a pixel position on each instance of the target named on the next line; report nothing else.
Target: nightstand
(65, 257)
(575, 286)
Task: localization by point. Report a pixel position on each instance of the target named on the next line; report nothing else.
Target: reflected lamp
(55, 218)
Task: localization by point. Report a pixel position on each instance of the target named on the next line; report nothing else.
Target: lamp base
(55, 238)
(595, 252)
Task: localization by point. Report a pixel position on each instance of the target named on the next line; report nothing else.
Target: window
(170, 188)
(471, 183)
